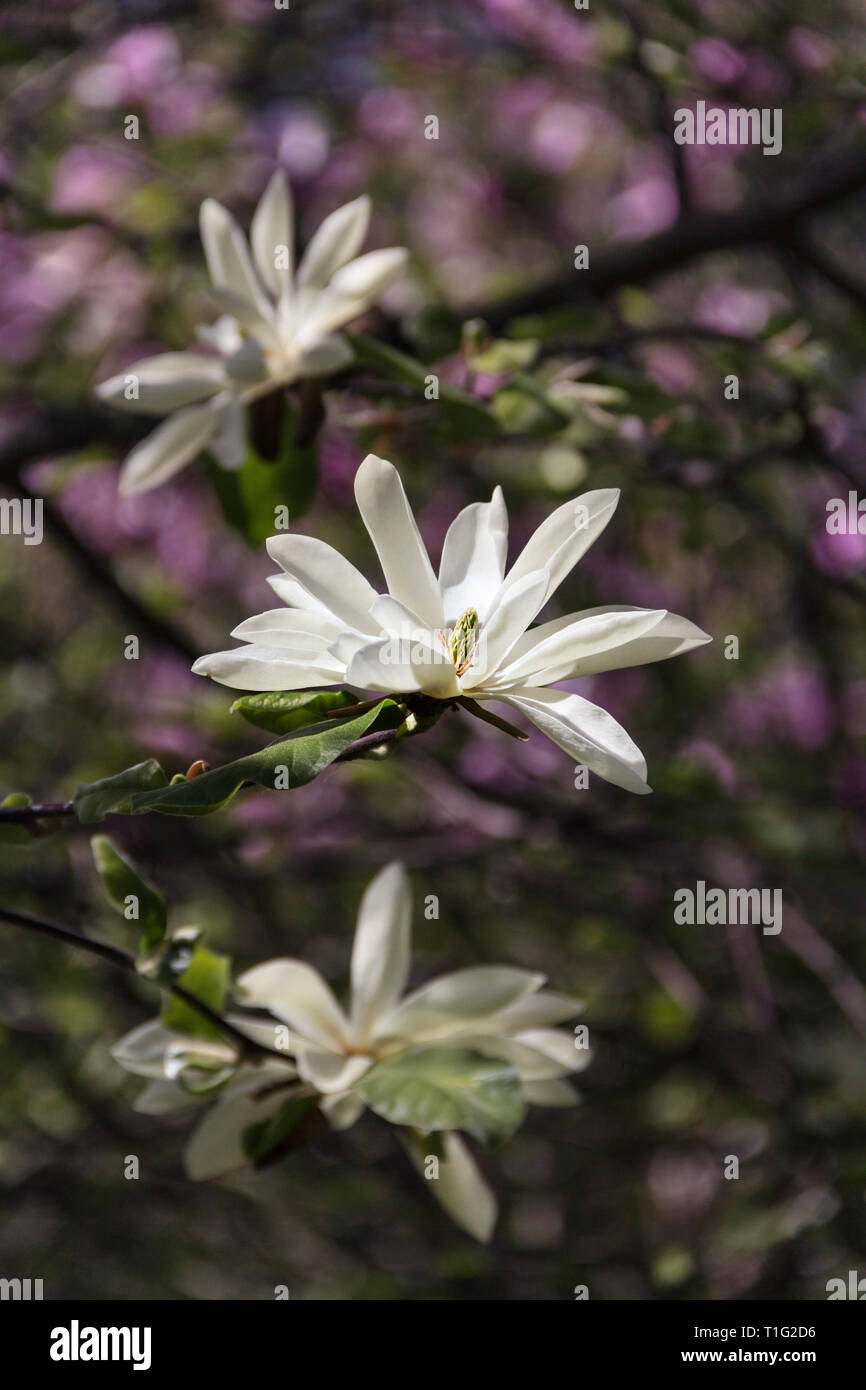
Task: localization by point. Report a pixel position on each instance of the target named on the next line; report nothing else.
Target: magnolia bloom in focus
(464, 636)
(496, 1011)
(279, 326)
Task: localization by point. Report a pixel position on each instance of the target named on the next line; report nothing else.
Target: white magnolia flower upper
(465, 634)
(279, 326)
(499, 1011)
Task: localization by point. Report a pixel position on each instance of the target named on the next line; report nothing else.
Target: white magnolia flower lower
(496, 1010)
(464, 634)
(279, 326)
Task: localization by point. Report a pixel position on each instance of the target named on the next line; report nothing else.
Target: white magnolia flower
(495, 1010)
(465, 635)
(279, 326)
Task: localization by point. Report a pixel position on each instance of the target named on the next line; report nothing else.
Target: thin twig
(124, 960)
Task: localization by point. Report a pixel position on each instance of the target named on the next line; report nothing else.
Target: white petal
(268, 668)
(459, 1189)
(327, 355)
(296, 596)
(564, 537)
(335, 242)
(164, 383)
(369, 276)
(296, 993)
(473, 558)
(380, 953)
(557, 1045)
(329, 577)
(293, 629)
(216, 1146)
(331, 1072)
(163, 1098)
(511, 613)
(228, 257)
(400, 666)
(531, 1064)
(272, 234)
(535, 1011)
(588, 733)
(256, 318)
(229, 444)
(403, 556)
(170, 447)
(605, 639)
(342, 1109)
(143, 1051)
(454, 1003)
(554, 1092)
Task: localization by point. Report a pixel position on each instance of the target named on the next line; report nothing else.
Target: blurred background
(704, 263)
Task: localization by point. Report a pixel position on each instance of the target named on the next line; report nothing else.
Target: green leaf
(282, 711)
(274, 1136)
(250, 496)
(504, 355)
(434, 1088)
(207, 977)
(122, 882)
(461, 412)
(95, 800)
(299, 757)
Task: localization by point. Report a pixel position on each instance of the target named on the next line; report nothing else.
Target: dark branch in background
(803, 247)
(69, 936)
(768, 220)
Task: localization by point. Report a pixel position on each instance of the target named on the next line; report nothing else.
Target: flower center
(463, 639)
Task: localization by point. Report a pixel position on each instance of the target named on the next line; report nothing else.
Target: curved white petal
(216, 1146)
(294, 595)
(563, 646)
(143, 1051)
(334, 243)
(228, 258)
(455, 1003)
(269, 668)
(380, 953)
(554, 1092)
(399, 665)
(512, 611)
(163, 1098)
(256, 318)
(296, 993)
(473, 558)
(600, 639)
(272, 235)
(459, 1187)
(170, 447)
(535, 1011)
(369, 276)
(557, 1045)
(163, 383)
(327, 355)
(342, 1109)
(331, 1072)
(329, 577)
(393, 530)
(229, 444)
(564, 537)
(585, 731)
(293, 629)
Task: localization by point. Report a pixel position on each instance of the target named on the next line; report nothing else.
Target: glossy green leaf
(288, 763)
(133, 897)
(207, 977)
(282, 711)
(435, 1088)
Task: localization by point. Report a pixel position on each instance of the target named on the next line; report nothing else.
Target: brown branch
(124, 960)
